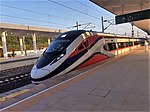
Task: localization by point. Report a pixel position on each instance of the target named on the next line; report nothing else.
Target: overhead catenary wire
(38, 13)
(41, 13)
(91, 8)
(34, 20)
(72, 19)
(96, 10)
(73, 9)
(60, 17)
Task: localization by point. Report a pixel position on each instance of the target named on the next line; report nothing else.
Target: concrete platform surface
(119, 85)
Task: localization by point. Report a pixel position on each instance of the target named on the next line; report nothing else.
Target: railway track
(14, 78)
(21, 77)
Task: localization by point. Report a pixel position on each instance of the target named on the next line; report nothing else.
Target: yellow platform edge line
(14, 95)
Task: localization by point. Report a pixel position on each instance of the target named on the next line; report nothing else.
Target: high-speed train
(79, 48)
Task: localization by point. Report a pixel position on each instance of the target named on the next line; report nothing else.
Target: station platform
(18, 56)
(120, 84)
(19, 61)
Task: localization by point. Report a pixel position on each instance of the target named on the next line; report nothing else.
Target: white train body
(76, 49)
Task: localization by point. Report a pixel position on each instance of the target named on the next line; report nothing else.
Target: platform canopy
(125, 7)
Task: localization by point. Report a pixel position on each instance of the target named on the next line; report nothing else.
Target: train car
(77, 49)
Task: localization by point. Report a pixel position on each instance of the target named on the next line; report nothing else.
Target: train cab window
(86, 43)
(80, 47)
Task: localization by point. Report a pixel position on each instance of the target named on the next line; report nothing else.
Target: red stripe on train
(94, 59)
(90, 39)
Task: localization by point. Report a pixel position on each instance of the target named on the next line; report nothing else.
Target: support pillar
(49, 40)
(34, 43)
(4, 45)
(21, 45)
(24, 45)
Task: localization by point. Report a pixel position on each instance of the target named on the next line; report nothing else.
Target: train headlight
(58, 58)
(61, 55)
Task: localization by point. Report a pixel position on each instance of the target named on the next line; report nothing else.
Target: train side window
(127, 44)
(136, 42)
(112, 46)
(80, 47)
(122, 45)
(86, 43)
(130, 44)
(119, 45)
(106, 47)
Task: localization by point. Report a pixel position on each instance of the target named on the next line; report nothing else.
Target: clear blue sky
(53, 14)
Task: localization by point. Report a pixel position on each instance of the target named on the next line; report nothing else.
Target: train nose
(37, 74)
